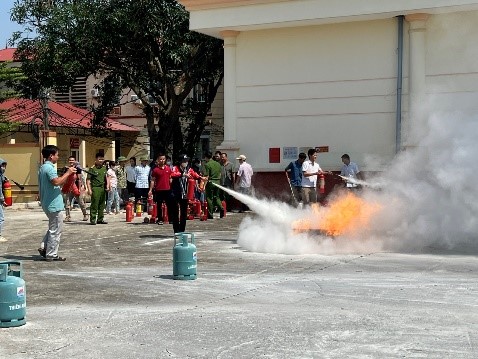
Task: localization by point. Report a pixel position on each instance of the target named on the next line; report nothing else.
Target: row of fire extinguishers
(196, 208)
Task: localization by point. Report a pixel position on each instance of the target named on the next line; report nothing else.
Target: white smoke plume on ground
(270, 230)
(428, 197)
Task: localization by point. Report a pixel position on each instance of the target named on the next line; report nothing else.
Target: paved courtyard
(114, 297)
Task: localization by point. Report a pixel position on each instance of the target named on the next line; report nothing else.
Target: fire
(345, 215)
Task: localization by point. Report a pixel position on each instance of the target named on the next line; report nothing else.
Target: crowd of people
(110, 184)
(303, 173)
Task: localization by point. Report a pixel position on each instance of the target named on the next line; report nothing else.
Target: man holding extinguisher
(51, 201)
(3, 167)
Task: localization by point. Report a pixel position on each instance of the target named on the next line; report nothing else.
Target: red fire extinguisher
(224, 207)
(321, 183)
(70, 185)
(164, 209)
(150, 206)
(205, 213)
(7, 193)
(129, 211)
(154, 215)
(197, 208)
(191, 188)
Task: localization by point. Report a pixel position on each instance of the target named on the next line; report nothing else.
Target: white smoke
(428, 197)
(430, 200)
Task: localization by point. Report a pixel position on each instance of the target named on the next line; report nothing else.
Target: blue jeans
(113, 196)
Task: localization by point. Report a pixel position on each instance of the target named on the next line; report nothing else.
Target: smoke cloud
(427, 196)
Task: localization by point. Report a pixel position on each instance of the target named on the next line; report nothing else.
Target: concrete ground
(114, 297)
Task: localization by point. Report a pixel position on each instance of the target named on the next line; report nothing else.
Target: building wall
(217, 119)
(22, 166)
(330, 85)
(451, 63)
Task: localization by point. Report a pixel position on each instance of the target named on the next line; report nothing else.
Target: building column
(417, 107)
(47, 138)
(82, 155)
(113, 150)
(230, 113)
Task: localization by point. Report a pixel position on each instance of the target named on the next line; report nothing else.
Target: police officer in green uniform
(212, 170)
(96, 183)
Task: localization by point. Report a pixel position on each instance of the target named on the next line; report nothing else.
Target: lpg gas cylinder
(184, 256)
(12, 295)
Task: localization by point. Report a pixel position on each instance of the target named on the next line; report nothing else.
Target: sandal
(57, 258)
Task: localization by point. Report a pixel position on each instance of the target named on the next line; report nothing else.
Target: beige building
(325, 73)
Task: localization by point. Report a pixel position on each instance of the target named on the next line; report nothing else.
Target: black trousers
(161, 197)
(179, 214)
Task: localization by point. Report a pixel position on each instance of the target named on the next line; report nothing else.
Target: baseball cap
(241, 157)
(183, 158)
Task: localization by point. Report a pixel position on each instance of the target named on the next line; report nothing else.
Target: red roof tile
(60, 115)
(7, 54)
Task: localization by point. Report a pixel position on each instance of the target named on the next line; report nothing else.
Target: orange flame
(345, 215)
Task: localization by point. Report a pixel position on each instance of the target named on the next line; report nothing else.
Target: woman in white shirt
(113, 196)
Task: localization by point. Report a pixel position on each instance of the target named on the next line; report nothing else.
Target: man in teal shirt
(51, 201)
(212, 170)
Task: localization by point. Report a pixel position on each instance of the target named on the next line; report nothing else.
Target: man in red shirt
(160, 186)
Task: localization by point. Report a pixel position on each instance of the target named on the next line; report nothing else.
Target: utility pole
(44, 96)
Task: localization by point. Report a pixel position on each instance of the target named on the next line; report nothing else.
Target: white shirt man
(244, 179)
(310, 170)
(131, 176)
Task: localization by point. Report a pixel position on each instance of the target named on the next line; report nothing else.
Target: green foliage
(144, 45)
(9, 77)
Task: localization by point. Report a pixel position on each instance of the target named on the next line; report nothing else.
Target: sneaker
(67, 219)
(42, 252)
(3, 239)
(102, 222)
(160, 223)
(86, 217)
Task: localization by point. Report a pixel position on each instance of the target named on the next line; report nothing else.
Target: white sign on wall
(290, 153)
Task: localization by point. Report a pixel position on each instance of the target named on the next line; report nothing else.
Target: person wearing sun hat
(142, 172)
(244, 179)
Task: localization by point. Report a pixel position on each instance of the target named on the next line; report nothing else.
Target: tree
(144, 45)
(9, 77)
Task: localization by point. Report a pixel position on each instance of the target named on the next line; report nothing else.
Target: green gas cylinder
(12, 295)
(184, 256)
